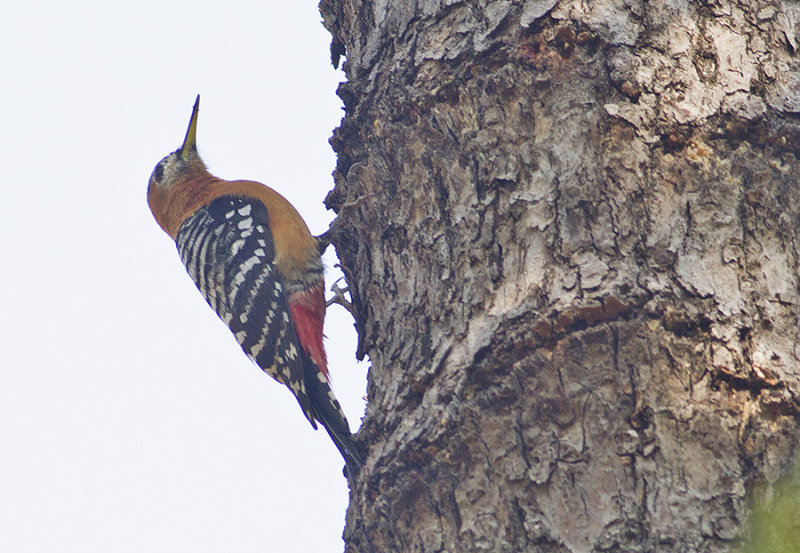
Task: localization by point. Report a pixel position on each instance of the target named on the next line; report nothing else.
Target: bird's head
(181, 160)
(174, 174)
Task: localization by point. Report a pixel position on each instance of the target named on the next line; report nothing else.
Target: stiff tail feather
(328, 411)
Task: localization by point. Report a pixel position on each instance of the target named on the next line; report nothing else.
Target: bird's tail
(328, 411)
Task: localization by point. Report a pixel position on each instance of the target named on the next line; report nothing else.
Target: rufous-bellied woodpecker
(254, 260)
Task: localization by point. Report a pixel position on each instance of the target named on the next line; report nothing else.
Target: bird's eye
(158, 172)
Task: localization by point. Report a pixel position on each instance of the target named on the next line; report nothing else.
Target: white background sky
(130, 420)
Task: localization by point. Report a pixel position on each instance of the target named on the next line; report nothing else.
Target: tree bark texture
(570, 229)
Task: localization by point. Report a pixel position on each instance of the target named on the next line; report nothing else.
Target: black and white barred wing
(228, 251)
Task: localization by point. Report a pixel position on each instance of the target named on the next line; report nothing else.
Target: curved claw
(338, 297)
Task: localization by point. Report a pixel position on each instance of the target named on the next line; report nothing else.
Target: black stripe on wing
(228, 251)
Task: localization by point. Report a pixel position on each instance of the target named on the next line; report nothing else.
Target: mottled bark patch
(571, 232)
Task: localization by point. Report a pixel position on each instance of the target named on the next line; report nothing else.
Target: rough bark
(571, 234)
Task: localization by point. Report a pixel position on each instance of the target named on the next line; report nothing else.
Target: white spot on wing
(256, 349)
(240, 277)
(266, 271)
(236, 246)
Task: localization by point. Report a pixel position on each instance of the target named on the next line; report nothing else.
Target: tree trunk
(571, 232)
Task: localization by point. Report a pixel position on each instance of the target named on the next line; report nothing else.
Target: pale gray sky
(130, 420)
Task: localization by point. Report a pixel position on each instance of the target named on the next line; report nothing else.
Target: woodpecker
(257, 265)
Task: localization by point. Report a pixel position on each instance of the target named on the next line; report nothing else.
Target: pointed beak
(190, 142)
